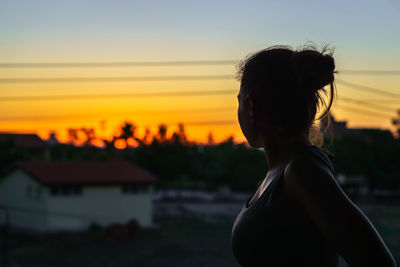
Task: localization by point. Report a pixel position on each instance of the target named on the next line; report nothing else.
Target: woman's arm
(342, 223)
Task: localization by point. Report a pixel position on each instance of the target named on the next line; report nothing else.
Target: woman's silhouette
(299, 215)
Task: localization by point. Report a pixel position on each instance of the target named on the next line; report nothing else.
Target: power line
(223, 122)
(216, 109)
(153, 94)
(118, 79)
(116, 64)
(385, 101)
(190, 123)
(363, 112)
(233, 122)
(49, 118)
(162, 63)
(370, 72)
(367, 104)
(173, 78)
(127, 95)
(172, 94)
(367, 88)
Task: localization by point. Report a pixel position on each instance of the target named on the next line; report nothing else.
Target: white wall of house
(39, 209)
(99, 204)
(24, 199)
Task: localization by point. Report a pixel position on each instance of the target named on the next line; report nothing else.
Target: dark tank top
(276, 231)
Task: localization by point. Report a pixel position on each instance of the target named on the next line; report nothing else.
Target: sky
(364, 35)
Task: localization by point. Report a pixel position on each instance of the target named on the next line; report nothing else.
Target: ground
(183, 239)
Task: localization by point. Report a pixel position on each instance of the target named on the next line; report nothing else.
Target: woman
(299, 215)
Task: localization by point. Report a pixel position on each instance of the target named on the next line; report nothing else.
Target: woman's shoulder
(309, 182)
(313, 156)
(309, 170)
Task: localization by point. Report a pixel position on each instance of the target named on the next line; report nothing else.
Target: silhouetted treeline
(374, 154)
(179, 163)
(202, 166)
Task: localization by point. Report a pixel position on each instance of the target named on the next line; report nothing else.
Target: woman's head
(280, 91)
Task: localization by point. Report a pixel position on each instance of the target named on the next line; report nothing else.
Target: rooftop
(84, 172)
(28, 141)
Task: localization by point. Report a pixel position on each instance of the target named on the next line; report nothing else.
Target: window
(33, 192)
(66, 190)
(133, 189)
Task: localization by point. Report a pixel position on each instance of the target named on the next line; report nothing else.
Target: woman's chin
(254, 144)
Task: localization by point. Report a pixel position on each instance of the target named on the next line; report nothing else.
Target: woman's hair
(286, 84)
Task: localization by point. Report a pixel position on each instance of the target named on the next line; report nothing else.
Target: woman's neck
(278, 149)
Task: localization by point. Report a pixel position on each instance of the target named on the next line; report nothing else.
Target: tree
(396, 123)
(162, 133)
(89, 135)
(127, 131)
(81, 135)
(145, 139)
(179, 137)
(210, 138)
(182, 133)
(146, 136)
(73, 135)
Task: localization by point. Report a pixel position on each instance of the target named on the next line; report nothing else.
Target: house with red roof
(73, 195)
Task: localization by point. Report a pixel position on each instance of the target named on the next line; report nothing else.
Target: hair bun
(326, 67)
(314, 69)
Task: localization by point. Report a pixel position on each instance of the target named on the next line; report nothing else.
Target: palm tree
(127, 131)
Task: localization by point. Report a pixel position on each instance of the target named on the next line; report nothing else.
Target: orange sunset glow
(104, 106)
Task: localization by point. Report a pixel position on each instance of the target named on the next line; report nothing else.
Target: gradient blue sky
(365, 31)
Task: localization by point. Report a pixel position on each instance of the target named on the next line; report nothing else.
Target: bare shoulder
(305, 173)
(309, 182)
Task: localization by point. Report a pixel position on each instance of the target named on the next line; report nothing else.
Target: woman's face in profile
(246, 118)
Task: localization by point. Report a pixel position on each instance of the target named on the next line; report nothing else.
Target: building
(340, 129)
(31, 142)
(73, 195)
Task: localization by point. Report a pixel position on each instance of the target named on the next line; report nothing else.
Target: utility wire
(49, 118)
(190, 123)
(174, 78)
(222, 122)
(384, 101)
(157, 94)
(367, 88)
(363, 112)
(116, 64)
(162, 63)
(370, 72)
(41, 118)
(233, 122)
(118, 79)
(100, 96)
(367, 104)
